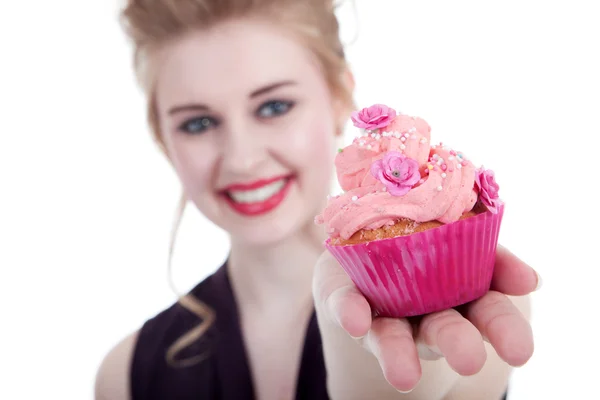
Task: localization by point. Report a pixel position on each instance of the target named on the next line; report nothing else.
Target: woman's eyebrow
(188, 107)
(271, 87)
(201, 107)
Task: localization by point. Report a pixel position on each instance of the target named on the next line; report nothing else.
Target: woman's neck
(275, 277)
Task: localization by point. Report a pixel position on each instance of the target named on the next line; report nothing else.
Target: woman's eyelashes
(198, 125)
(274, 108)
(268, 110)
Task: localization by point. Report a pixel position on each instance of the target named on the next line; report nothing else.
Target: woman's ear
(345, 107)
(349, 80)
(342, 117)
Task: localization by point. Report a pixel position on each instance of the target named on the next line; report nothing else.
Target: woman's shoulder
(113, 378)
(141, 353)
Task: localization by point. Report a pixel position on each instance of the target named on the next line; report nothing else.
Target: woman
(247, 100)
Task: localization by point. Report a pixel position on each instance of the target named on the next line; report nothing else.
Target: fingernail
(540, 282)
(429, 353)
(337, 319)
(400, 391)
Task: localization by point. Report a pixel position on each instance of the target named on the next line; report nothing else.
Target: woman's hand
(455, 334)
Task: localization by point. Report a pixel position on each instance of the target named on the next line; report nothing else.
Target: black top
(225, 374)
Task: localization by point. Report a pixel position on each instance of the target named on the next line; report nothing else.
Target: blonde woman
(247, 99)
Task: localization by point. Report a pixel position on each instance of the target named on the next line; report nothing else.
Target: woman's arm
(395, 353)
(112, 379)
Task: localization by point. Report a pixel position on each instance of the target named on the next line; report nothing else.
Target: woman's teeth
(257, 195)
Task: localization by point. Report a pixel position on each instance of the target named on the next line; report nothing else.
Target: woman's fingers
(449, 334)
(350, 309)
(391, 341)
(507, 330)
(339, 298)
(513, 276)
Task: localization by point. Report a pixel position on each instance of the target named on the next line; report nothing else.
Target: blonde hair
(151, 24)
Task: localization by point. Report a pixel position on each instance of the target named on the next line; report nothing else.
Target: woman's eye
(274, 109)
(197, 125)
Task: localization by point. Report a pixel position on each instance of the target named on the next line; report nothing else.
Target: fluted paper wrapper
(425, 272)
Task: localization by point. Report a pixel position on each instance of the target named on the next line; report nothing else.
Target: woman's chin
(264, 235)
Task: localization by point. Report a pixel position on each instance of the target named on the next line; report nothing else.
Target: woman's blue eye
(197, 125)
(274, 109)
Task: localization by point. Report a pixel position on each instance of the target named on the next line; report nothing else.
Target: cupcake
(417, 226)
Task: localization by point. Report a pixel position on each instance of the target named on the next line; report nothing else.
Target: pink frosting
(444, 191)
(408, 135)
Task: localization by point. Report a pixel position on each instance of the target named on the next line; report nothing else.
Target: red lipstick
(260, 207)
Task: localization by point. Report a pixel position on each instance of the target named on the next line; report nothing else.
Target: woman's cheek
(194, 165)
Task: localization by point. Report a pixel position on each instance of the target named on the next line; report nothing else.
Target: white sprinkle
(440, 161)
(384, 189)
(378, 137)
(413, 129)
(444, 175)
(451, 158)
(369, 147)
(403, 139)
(423, 140)
(435, 156)
(439, 188)
(397, 135)
(373, 135)
(407, 135)
(402, 146)
(458, 166)
(354, 198)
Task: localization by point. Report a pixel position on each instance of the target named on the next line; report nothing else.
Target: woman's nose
(243, 153)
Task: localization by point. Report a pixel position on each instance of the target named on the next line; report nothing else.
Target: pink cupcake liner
(425, 272)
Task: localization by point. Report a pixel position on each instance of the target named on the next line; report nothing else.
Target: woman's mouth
(259, 197)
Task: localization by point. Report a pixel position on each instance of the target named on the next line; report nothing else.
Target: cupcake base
(425, 272)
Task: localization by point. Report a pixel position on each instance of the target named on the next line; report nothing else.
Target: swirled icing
(444, 192)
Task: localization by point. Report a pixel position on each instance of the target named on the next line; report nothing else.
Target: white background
(86, 200)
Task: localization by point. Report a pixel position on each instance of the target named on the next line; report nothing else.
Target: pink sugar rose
(487, 187)
(397, 172)
(374, 117)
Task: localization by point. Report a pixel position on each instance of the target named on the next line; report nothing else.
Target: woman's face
(248, 123)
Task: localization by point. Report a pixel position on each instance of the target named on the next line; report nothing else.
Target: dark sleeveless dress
(225, 374)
